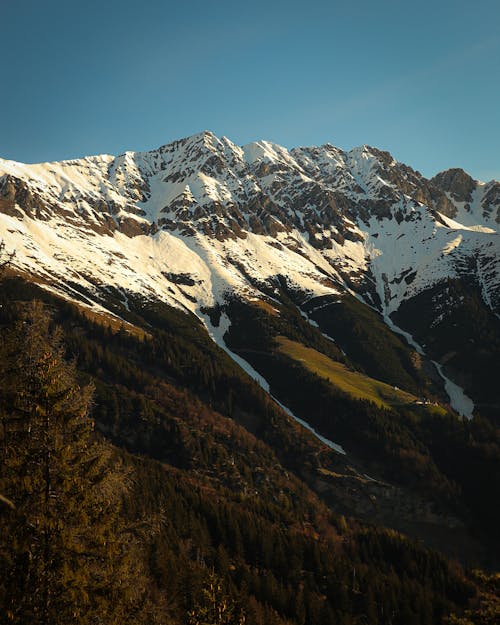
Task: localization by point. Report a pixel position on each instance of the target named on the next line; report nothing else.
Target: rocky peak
(457, 183)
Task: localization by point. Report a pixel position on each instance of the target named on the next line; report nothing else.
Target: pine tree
(61, 549)
(214, 606)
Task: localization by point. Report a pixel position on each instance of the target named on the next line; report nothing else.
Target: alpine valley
(295, 357)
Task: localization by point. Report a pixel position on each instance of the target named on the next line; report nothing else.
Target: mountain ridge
(210, 133)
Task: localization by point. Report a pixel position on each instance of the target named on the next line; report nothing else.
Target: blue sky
(420, 79)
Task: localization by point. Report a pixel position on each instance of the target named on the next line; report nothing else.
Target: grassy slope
(355, 384)
(371, 346)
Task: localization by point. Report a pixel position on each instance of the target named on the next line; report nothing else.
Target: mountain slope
(201, 219)
(220, 519)
(157, 393)
(361, 298)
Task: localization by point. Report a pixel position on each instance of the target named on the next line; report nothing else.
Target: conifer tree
(214, 606)
(61, 545)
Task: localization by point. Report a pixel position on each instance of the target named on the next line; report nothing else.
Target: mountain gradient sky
(420, 79)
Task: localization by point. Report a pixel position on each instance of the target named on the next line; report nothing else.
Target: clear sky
(420, 79)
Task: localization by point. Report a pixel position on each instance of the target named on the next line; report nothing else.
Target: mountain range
(294, 357)
(200, 221)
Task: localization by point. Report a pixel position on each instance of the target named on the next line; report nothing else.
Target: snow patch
(217, 334)
(326, 441)
(459, 401)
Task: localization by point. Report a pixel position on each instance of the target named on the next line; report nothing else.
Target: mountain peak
(204, 135)
(457, 183)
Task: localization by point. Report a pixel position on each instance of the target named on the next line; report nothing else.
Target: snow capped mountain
(230, 218)
(362, 298)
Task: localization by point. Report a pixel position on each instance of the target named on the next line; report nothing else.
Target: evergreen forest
(145, 478)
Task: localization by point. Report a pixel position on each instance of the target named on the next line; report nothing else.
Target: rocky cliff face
(325, 218)
(474, 199)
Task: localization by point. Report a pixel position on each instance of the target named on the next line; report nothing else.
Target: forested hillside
(146, 479)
